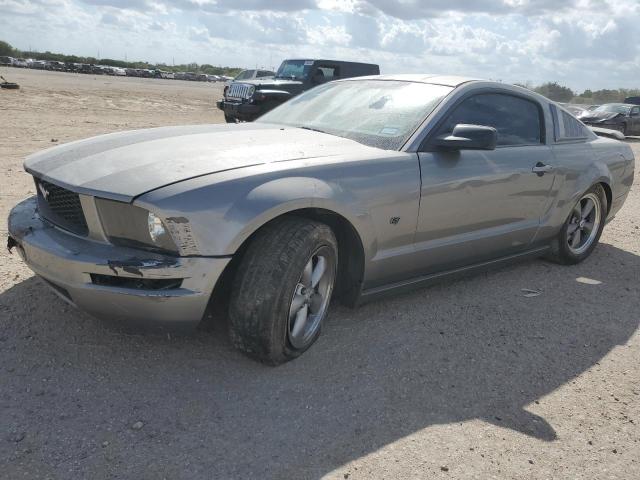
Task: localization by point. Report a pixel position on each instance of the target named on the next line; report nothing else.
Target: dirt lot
(467, 379)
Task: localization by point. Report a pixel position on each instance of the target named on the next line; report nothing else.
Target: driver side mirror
(468, 137)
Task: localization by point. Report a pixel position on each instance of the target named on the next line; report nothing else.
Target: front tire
(582, 229)
(282, 289)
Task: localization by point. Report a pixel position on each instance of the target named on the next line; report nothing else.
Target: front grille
(62, 207)
(239, 90)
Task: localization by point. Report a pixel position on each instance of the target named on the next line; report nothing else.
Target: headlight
(251, 91)
(156, 227)
(132, 226)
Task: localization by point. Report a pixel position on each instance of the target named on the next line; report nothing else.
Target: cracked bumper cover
(66, 262)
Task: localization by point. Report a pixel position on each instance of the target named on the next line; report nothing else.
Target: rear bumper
(70, 265)
(242, 111)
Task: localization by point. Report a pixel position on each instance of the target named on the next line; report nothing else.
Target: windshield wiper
(313, 129)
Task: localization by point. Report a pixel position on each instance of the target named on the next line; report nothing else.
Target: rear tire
(282, 289)
(581, 231)
(230, 119)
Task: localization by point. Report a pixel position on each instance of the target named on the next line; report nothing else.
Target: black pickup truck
(248, 99)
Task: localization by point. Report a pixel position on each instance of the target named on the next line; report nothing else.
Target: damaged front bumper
(114, 282)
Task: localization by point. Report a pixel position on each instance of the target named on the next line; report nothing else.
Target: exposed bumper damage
(607, 132)
(114, 282)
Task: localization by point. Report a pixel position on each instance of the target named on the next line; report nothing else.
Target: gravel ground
(466, 379)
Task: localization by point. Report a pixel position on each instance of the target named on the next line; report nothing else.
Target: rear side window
(567, 127)
(516, 119)
(329, 73)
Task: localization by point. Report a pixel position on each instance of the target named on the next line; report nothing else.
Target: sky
(579, 43)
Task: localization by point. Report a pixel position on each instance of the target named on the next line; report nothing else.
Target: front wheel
(582, 229)
(282, 289)
(230, 119)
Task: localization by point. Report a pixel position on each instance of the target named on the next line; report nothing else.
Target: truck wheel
(282, 289)
(582, 229)
(230, 119)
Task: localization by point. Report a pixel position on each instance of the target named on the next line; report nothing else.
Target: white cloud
(582, 43)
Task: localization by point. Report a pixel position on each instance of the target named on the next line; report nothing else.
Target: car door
(478, 205)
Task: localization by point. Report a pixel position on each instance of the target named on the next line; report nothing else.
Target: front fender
(221, 214)
(283, 195)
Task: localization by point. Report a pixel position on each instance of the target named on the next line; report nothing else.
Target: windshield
(613, 108)
(294, 69)
(382, 114)
(244, 75)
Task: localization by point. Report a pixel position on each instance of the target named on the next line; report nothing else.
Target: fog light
(156, 227)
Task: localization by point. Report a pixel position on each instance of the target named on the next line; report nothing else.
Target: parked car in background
(615, 116)
(575, 109)
(247, 100)
(6, 61)
(632, 100)
(38, 65)
(56, 65)
(20, 63)
(353, 189)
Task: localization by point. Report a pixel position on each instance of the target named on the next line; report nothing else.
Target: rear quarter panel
(580, 165)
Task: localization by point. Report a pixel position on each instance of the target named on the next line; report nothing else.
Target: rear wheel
(582, 229)
(282, 290)
(230, 119)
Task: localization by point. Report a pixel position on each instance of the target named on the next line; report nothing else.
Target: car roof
(447, 80)
(321, 60)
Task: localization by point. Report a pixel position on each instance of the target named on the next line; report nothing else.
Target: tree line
(551, 90)
(560, 93)
(9, 51)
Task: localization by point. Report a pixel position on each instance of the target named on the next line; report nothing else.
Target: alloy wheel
(310, 298)
(584, 223)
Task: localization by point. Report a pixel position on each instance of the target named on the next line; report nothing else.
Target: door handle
(540, 169)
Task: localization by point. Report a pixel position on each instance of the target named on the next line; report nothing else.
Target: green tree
(556, 92)
(7, 50)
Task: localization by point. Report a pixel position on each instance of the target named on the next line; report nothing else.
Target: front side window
(517, 120)
(378, 113)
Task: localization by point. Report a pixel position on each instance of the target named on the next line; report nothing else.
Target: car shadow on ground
(475, 348)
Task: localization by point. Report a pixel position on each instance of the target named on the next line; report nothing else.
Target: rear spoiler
(606, 132)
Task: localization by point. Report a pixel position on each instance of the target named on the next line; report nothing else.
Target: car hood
(599, 116)
(271, 82)
(122, 166)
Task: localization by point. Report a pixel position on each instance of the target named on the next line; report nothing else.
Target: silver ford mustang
(352, 189)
